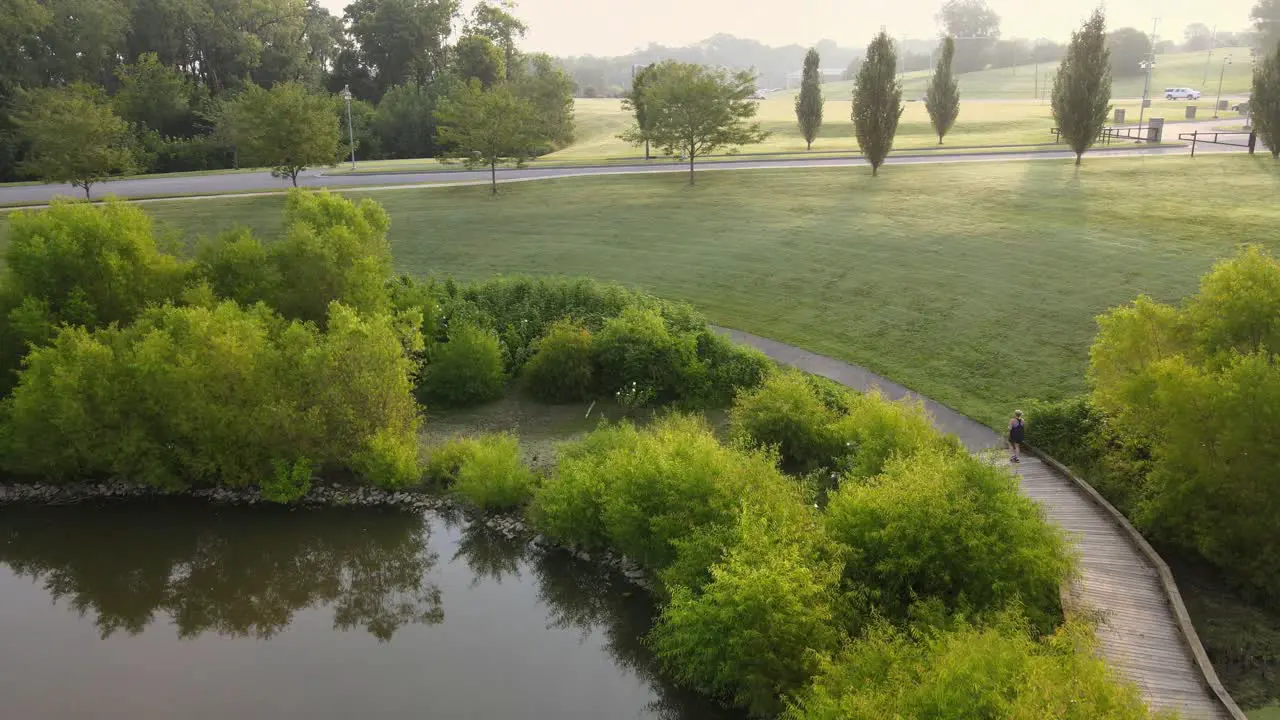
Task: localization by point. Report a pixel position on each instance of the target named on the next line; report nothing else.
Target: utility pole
(1213, 41)
(1225, 62)
(1147, 65)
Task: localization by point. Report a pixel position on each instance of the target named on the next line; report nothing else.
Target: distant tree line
(206, 84)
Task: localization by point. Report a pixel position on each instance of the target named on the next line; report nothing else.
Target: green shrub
(997, 671)
(569, 506)
(289, 481)
(730, 369)
(562, 368)
(787, 413)
(212, 396)
(492, 475)
(238, 267)
(947, 526)
(875, 430)
(467, 370)
(637, 347)
(389, 460)
(754, 631)
(1198, 385)
(445, 460)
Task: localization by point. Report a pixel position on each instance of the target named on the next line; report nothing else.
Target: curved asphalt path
(263, 181)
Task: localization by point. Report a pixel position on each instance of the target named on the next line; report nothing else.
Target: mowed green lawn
(977, 284)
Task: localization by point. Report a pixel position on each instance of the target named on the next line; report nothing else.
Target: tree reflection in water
(583, 596)
(232, 571)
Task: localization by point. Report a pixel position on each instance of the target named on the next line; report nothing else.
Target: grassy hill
(1172, 70)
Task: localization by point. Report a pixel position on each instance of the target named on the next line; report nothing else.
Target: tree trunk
(293, 175)
(493, 176)
(1079, 157)
(875, 169)
(808, 144)
(646, 149)
(691, 167)
(86, 192)
(939, 139)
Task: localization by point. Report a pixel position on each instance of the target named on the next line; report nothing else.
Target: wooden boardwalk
(1142, 628)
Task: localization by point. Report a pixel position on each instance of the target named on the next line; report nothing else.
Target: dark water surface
(177, 610)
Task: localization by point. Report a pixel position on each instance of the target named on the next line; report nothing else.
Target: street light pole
(1225, 62)
(351, 130)
(1147, 65)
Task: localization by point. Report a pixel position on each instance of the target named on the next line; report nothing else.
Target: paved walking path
(1139, 630)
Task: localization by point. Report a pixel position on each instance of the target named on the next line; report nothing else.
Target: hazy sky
(615, 27)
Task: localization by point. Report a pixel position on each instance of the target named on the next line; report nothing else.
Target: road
(263, 181)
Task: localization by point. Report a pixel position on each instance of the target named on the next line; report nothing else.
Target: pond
(174, 609)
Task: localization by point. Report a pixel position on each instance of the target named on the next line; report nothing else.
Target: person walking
(1017, 429)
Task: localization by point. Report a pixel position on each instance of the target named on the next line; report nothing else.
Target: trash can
(1146, 102)
(1244, 108)
(1119, 116)
(1224, 104)
(1155, 131)
(1191, 112)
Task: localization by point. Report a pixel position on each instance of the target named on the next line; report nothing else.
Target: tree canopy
(1082, 88)
(694, 110)
(487, 126)
(288, 128)
(74, 136)
(1264, 106)
(809, 101)
(877, 101)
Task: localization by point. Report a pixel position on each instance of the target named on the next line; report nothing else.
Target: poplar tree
(877, 101)
(1082, 89)
(809, 102)
(943, 97)
(1264, 106)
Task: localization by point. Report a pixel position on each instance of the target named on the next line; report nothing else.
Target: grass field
(1172, 70)
(974, 284)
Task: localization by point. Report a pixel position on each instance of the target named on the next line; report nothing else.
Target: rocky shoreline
(318, 496)
(510, 525)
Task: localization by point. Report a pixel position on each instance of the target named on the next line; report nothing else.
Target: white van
(1181, 94)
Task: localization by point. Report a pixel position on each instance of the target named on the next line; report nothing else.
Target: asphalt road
(263, 181)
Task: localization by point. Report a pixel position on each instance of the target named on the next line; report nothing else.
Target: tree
(485, 127)
(402, 41)
(1179, 380)
(1082, 88)
(694, 110)
(877, 101)
(541, 82)
(1128, 48)
(977, 24)
(496, 23)
(1266, 20)
(634, 102)
(287, 128)
(155, 97)
(73, 135)
(405, 121)
(851, 70)
(476, 56)
(1198, 37)
(809, 102)
(942, 100)
(1264, 106)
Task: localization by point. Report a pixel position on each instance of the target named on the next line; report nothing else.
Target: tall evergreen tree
(1082, 89)
(943, 97)
(1265, 104)
(877, 101)
(809, 102)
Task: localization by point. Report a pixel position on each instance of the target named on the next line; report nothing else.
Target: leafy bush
(730, 368)
(467, 370)
(289, 481)
(786, 412)
(445, 460)
(876, 429)
(562, 368)
(492, 476)
(637, 347)
(205, 396)
(644, 492)
(238, 267)
(1199, 386)
(947, 526)
(753, 632)
(997, 671)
